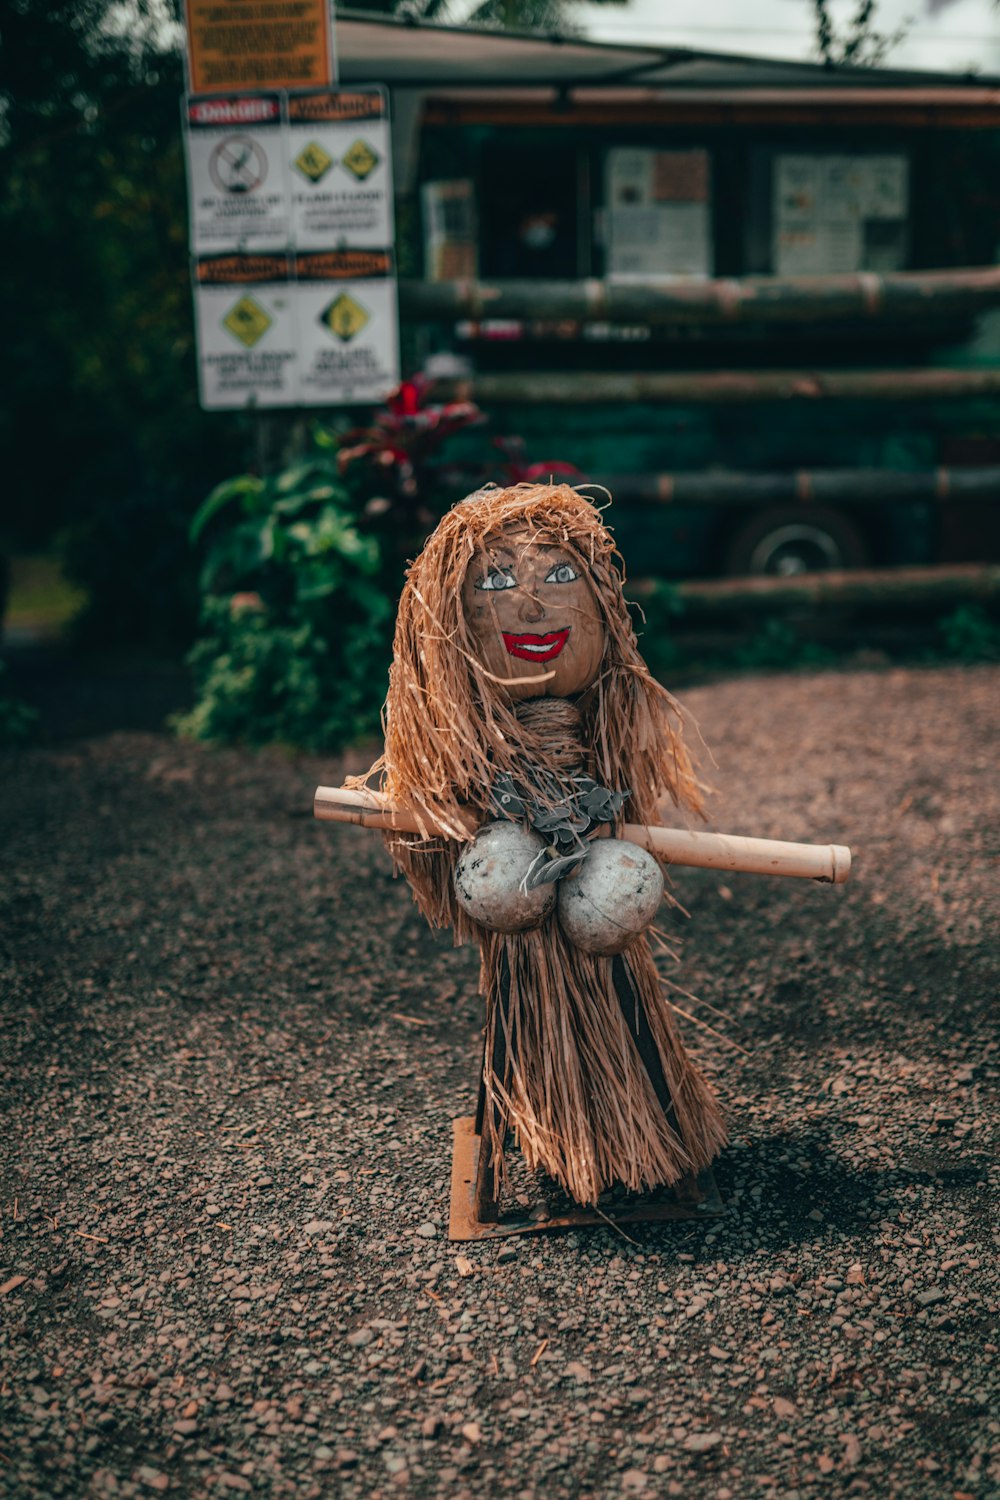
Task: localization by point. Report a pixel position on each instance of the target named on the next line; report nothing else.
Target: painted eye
(562, 573)
(496, 579)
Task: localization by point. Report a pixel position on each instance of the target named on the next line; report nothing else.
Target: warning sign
(348, 339)
(258, 44)
(313, 162)
(245, 313)
(237, 185)
(247, 321)
(340, 173)
(360, 160)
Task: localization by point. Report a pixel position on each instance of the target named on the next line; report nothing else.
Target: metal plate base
(693, 1199)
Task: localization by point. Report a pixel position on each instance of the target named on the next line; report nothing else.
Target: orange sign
(259, 44)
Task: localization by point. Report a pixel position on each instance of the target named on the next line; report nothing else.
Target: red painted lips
(536, 647)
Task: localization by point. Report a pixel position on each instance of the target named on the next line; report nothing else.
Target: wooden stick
(674, 846)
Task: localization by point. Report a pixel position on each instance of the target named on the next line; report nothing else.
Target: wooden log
(806, 486)
(674, 846)
(927, 588)
(747, 299)
(600, 388)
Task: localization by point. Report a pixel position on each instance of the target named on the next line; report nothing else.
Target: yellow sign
(344, 317)
(247, 321)
(313, 162)
(361, 160)
(257, 44)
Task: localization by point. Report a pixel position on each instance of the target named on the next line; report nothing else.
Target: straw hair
(574, 1087)
(450, 728)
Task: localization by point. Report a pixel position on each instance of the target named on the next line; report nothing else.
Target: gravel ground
(232, 1051)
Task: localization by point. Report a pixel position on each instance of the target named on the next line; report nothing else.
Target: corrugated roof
(416, 54)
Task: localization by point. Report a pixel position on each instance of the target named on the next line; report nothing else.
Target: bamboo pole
(674, 846)
(745, 299)
(815, 486)
(598, 388)
(929, 588)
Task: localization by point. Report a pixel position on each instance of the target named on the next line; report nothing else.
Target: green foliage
(18, 720)
(296, 617)
(970, 635)
(653, 619)
(95, 305)
(777, 644)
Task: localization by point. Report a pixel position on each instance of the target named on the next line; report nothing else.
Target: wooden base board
(693, 1201)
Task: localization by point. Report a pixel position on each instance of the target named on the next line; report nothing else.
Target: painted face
(533, 614)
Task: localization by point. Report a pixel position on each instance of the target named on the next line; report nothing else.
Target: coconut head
(451, 722)
(533, 615)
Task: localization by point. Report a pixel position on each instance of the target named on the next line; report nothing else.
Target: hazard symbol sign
(341, 179)
(247, 345)
(348, 340)
(237, 185)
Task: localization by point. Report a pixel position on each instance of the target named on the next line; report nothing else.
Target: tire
(788, 540)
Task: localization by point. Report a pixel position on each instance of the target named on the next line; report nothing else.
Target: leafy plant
(778, 644)
(970, 635)
(18, 720)
(295, 617)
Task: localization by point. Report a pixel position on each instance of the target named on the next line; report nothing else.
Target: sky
(942, 35)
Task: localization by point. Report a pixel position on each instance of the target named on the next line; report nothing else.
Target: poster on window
(839, 214)
(658, 214)
(449, 220)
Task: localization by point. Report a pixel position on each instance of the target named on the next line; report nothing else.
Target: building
(765, 291)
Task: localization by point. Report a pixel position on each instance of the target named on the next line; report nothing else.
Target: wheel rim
(790, 550)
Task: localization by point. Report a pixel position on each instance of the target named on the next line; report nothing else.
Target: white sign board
(839, 213)
(237, 188)
(348, 330)
(658, 213)
(339, 164)
(247, 345)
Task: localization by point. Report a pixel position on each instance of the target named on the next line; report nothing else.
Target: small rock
(852, 1449)
(700, 1442)
(784, 1408)
(427, 1231)
(472, 1432)
(153, 1479)
(931, 1296)
(579, 1372)
(360, 1338)
(633, 1480)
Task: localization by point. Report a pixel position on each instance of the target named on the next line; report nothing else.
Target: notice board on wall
(839, 213)
(658, 213)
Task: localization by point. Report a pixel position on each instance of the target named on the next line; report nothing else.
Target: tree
(547, 16)
(101, 430)
(858, 44)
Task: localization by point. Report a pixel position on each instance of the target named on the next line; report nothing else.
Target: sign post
(291, 212)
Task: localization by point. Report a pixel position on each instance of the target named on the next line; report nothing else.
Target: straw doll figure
(522, 726)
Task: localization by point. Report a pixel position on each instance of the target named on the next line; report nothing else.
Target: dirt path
(231, 1052)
